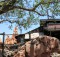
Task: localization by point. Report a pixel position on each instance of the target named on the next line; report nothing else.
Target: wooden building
(50, 27)
(20, 38)
(28, 36)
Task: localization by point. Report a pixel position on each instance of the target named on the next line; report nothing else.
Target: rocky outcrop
(7, 41)
(42, 47)
(45, 46)
(12, 40)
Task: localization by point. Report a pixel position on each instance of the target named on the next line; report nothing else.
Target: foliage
(28, 12)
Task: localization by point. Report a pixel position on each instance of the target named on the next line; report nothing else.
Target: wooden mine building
(50, 27)
(28, 36)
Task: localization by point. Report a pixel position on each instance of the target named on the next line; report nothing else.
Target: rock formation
(0, 40)
(15, 31)
(12, 40)
(7, 41)
(45, 46)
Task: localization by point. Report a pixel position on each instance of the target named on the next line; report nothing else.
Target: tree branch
(19, 7)
(6, 6)
(39, 13)
(10, 21)
(9, 5)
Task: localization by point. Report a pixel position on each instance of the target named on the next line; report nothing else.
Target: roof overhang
(53, 27)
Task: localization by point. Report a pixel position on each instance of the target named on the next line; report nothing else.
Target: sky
(4, 27)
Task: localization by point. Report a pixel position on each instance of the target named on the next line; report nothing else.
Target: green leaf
(42, 1)
(36, 1)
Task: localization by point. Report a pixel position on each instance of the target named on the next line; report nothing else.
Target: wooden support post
(3, 44)
(29, 35)
(50, 33)
(32, 49)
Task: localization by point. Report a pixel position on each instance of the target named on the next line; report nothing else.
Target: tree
(27, 12)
